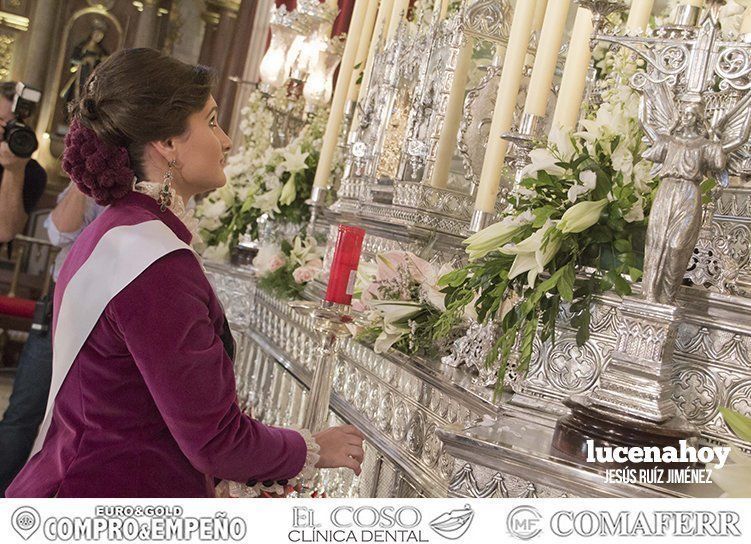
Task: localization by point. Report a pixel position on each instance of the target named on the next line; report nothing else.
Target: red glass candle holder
(344, 266)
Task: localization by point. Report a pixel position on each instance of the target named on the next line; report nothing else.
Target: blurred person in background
(31, 385)
(22, 180)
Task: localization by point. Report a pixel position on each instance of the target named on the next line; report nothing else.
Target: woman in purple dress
(143, 400)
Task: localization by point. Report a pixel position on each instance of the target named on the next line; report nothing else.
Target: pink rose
(276, 262)
(304, 274)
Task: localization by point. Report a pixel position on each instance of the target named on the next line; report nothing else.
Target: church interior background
(412, 154)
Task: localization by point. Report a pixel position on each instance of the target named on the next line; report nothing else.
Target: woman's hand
(340, 447)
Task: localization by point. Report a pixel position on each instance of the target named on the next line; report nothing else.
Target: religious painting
(89, 37)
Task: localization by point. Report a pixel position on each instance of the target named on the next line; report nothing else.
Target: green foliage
(281, 284)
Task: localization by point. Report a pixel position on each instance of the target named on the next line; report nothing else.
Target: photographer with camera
(22, 182)
(22, 179)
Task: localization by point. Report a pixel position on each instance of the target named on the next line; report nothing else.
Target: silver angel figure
(685, 151)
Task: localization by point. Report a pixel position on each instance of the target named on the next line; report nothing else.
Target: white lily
(525, 262)
(395, 311)
(216, 208)
(388, 337)
(366, 274)
(218, 253)
(210, 223)
(542, 159)
(636, 213)
(430, 289)
(588, 183)
(531, 256)
(561, 139)
(581, 216)
(294, 160)
(395, 315)
(299, 252)
(623, 159)
(268, 201)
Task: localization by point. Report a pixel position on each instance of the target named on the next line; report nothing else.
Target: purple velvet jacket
(149, 408)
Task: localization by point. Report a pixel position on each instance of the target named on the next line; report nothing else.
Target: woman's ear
(165, 148)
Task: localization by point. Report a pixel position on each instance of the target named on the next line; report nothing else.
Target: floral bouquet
(402, 302)
(285, 269)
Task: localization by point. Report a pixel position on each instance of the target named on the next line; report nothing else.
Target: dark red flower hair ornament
(100, 170)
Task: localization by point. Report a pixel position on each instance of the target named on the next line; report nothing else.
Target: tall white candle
(638, 16)
(539, 15)
(454, 111)
(398, 13)
(551, 35)
(746, 23)
(331, 136)
(503, 114)
(536, 26)
(574, 79)
(362, 48)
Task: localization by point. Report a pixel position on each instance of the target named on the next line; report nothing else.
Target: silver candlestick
(601, 10)
(316, 202)
(330, 322)
(526, 138)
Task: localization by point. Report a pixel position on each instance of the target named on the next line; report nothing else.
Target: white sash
(119, 257)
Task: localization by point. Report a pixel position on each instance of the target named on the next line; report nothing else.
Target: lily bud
(289, 192)
(582, 215)
(493, 237)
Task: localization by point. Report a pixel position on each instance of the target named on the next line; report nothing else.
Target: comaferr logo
(589, 523)
(526, 523)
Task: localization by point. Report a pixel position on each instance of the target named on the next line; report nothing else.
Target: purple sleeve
(164, 318)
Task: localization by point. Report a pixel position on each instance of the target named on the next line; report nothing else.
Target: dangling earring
(165, 195)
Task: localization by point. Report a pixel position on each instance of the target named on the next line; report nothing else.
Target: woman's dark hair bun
(134, 97)
(100, 170)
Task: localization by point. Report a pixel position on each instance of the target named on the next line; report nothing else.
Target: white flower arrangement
(580, 204)
(400, 297)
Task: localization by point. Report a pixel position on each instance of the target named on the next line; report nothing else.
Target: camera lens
(21, 140)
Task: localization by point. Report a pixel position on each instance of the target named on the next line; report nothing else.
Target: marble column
(235, 60)
(146, 28)
(224, 14)
(211, 18)
(42, 33)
